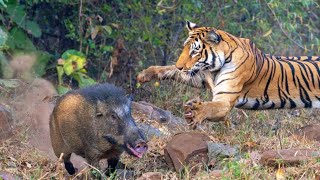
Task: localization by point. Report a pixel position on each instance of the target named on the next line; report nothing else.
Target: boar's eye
(114, 116)
(98, 114)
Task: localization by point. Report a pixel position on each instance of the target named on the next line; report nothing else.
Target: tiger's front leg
(196, 111)
(156, 72)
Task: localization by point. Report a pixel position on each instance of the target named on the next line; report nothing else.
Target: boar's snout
(135, 141)
(138, 148)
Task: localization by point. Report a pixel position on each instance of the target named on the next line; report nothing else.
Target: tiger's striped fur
(239, 75)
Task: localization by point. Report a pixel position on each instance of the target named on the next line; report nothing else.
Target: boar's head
(116, 126)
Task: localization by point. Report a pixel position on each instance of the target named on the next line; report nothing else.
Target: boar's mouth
(136, 151)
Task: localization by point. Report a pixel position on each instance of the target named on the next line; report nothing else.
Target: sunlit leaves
(267, 33)
(83, 79)
(62, 89)
(72, 63)
(3, 3)
(108, 29)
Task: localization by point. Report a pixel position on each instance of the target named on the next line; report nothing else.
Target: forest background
(78, 43)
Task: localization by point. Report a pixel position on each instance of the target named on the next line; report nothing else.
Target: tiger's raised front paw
(194, 112)
(146, 75)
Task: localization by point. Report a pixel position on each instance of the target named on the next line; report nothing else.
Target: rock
(5, 123)
(149, 131)
(215, 174)
(156, 113)
(288, 156)
(220, 150)
(310, 132)
(255, 157)
(151, 176)
(186, 149)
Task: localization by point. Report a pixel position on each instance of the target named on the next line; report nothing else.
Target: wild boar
(95, 123)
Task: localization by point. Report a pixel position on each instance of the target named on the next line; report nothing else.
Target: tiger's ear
(190, 26)
(213, 37)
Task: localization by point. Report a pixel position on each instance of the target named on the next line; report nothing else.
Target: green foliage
(17, 14)
(18, 40)
(62, 89)
(72, 64)
(153, 31)
(42, 60)
(3, 3)
(233, 168)
(74, 61)
(3, 39)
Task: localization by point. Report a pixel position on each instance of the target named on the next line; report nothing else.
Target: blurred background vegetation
(77, 42)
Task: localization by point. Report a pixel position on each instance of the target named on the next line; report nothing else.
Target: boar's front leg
(112, 165)
(68, 164)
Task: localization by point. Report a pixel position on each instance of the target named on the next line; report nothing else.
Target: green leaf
(60, 74)
(71, 52)
(107, 49)
(2, 2)
(83, 80)
(33, 28)
(68, 68)
(19, 40)
(42, 59)
(106, 8)
(108, 29)
(74, 61)
(267, 33)
(156, 41)
(62, 89)
(3, 38)
(17, 14)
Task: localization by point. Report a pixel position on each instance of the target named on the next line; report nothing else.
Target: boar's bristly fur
(95, 123)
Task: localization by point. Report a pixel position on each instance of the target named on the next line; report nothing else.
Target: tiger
(239, 75)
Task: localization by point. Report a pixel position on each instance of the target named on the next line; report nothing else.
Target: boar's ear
(130, 97)
(99, 109)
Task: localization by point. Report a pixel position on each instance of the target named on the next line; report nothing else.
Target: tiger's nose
(180, 68)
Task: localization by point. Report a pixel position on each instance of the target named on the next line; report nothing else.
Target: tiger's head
(206, 48)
